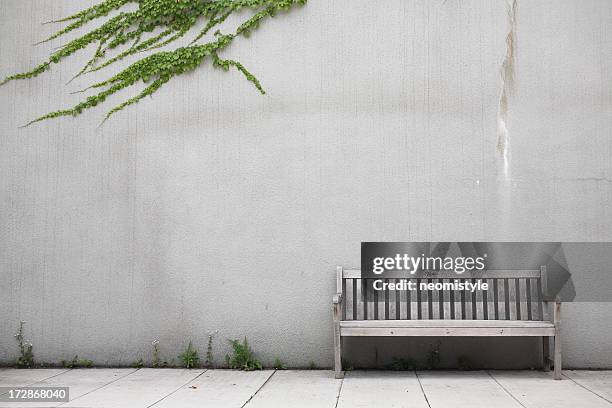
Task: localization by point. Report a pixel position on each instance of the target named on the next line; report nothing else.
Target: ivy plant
(151, 25)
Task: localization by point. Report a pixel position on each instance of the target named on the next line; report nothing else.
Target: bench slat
(397, 302)
(446, 328)
(539, 293)
(354, 304)
(528, 292)
(446, 323)
(344, 300)
(495, 299)
(452, 331)
(517, 298)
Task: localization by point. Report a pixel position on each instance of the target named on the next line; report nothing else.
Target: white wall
(210, 207)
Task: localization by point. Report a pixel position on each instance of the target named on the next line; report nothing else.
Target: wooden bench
(514, 305)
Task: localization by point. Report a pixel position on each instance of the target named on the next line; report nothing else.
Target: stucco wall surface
(211, 207)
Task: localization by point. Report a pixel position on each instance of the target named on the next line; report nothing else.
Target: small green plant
(312, 365)
(209, 350)
(138, 363)
(77, 362)
(433, 356)
(156, 359)
(400, 364)
(278, 364)
(465, 363)
(242, 358)
(26, 358)
(189, 357)
(347, 365)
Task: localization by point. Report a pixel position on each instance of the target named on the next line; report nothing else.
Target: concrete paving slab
(537, 389)
(298, 389)
(79, 381)
(17, 377)
(460, 389)
(217, 389)
(140, 389)
(381, 389)
(179, 388)
(598, 382)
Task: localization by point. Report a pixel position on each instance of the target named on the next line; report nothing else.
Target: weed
(242, 358)
(347, 365)
(312, 365)
(465, 362)
(209, 350)
(26, 359)
(278, 364)
(190, 356)
(433, 356)
(156, 360)
(399, 364)
(137, 364)
(77, 362)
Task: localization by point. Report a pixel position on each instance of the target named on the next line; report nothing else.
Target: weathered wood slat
(387, 301)
(409, 307)
(517, 298)
(355, 283)
(375, 303)
(463, 307)
(344, 298)
(430, 314)
(364, 295)
(451, 300)
(418, 299)
(540, 300)
(398, 298)
(441, 301)
(474, 298)
(495, 299)
(447, 323)
(506, 299)
(448, 331)
(528, 292)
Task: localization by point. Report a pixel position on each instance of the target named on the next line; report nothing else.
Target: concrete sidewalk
(179, 388)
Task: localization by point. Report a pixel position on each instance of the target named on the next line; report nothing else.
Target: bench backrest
(512, 295)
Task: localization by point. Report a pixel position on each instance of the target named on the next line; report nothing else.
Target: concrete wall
(210, 207)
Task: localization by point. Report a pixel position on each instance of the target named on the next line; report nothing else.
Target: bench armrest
(337, 299)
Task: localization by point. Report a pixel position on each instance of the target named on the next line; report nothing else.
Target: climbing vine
(152, 25)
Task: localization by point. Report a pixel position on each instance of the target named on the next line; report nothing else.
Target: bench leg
(337, 344)
(338, 373)
(557, 351)
(546, 353)
(557, 357)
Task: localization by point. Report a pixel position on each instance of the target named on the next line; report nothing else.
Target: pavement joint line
(259, 389)
(422, 389)
(505, 389)
(44, 379)
(339, 390)
(586, 388)
(100, 387)
(178, 389)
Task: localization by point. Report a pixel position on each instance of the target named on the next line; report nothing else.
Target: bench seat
(446, 328)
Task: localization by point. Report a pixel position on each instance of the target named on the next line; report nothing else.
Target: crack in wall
(507, 72)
